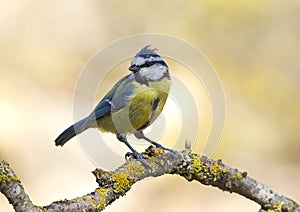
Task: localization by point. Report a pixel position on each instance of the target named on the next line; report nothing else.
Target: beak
(134, 68)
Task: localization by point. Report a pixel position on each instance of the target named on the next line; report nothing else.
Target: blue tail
(69, 133)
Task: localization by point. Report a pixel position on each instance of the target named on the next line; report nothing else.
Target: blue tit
(133, 103)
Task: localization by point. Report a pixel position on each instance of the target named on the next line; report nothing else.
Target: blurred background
(253, 45)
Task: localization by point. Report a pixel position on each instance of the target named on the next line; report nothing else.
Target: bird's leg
(122, 137)
(140, 135)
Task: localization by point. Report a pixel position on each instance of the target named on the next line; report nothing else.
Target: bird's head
(149, 65)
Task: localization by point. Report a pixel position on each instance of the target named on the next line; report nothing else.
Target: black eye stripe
(150, 63)
(147, 64)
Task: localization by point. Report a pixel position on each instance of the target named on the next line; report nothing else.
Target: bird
(131, 105)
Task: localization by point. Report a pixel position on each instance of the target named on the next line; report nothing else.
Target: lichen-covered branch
(11, 187)
(117, 183)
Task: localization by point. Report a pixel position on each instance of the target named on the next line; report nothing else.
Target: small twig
(115, 184)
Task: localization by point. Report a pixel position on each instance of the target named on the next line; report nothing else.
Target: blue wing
(115, 99)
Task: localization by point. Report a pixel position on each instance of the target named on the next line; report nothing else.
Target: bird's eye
(148, 64)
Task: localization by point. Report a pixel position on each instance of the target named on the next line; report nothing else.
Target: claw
(138, 157)
(122, 137)
(130, 154)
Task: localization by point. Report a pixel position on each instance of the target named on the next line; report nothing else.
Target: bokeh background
(254, 46)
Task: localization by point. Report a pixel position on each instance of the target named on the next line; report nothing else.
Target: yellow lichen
(158, 151)
(217, 170)
(237, 176)
(42, 208)
(136, 169)
(276, 208)
(198, 165)
(101, 202)
(4, 178)
(153, 152)
(91, 201)
(122, 184)
(199, 168)
(15, 178)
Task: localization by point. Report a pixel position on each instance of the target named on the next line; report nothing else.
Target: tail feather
(69, 133)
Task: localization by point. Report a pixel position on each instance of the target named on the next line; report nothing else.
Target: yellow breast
(144, 106)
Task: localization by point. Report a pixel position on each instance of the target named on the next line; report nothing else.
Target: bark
(117, 183)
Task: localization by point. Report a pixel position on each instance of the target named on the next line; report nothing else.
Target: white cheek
(154, 73)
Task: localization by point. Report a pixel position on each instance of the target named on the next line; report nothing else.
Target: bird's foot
(138, 157)
(140, 135)
(130, 154)
(157, 145)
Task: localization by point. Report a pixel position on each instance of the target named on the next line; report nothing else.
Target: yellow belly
(141, 110)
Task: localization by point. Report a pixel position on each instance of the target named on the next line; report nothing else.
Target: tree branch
(115, 184)
(11, 187)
